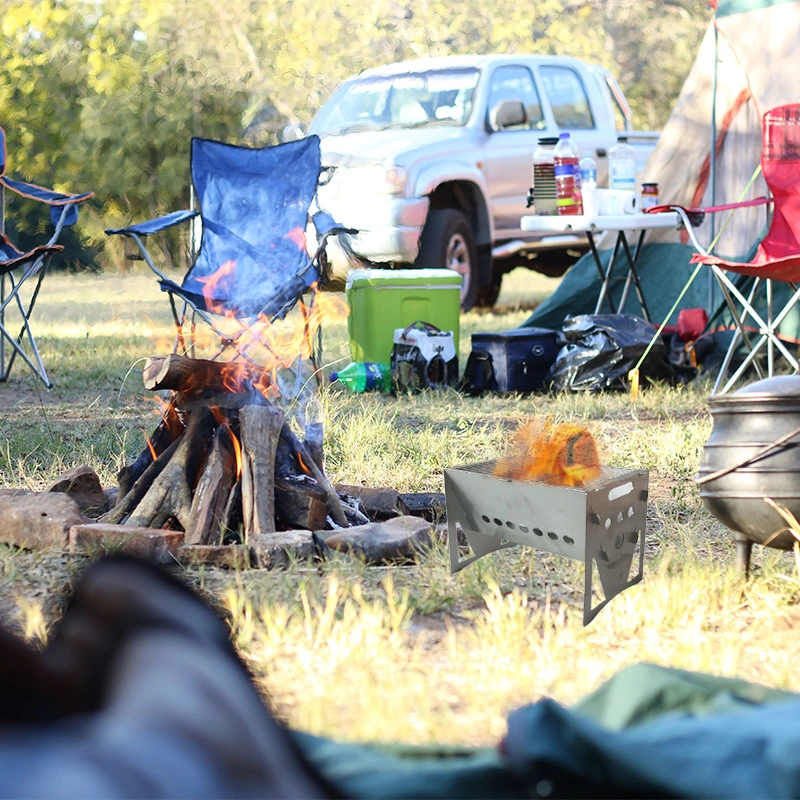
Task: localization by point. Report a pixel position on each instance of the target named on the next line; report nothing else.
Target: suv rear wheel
(447, 242)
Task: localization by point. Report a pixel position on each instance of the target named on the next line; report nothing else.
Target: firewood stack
(223, 464)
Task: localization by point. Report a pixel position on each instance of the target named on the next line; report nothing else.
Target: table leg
(605, 276)
(632, 259)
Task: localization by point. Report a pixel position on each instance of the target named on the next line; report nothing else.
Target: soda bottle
(545, 200)
(622, 166)
(568, 176)
(365, 376)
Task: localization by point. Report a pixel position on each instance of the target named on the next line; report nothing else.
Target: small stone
(441, 533)
(428, 505)
(378, 503)
(111, 493)
(14, 492)
(83, 486)
(103, 538)
(227, 556)
(277, 550)
(397, 539)
(38, 521)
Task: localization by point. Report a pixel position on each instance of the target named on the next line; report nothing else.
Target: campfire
(237, 450)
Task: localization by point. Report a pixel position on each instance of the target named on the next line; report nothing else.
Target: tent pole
(713, 171)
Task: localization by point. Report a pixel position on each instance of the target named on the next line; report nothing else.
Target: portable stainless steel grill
(601, 521)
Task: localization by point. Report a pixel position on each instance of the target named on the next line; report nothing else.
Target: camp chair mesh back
(253, 261)
(254, 206)
(777, 258)
(22, 272)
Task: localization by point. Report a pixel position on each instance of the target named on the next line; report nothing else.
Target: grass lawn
(410, 653)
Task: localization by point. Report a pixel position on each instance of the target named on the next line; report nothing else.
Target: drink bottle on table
(622, 166)
(588, 170)
(568, 177)
(543, 194)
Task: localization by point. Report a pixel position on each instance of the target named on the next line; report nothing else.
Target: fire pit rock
(396, 539)
(278, 550)
(83, 485)
(38, 521)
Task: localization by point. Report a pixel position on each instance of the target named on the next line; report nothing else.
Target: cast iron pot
(753, 453)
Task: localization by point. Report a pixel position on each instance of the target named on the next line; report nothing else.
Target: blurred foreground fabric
(648, 732)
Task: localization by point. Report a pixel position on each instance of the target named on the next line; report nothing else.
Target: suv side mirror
(507, 114)
(292, 132)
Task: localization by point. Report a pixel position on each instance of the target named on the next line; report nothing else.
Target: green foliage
(106, 95)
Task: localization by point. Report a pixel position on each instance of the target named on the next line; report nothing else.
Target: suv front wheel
(447, 242)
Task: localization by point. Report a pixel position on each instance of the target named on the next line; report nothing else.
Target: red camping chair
(776, 260)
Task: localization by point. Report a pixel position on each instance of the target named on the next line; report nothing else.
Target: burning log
(195, 484)
(127, 503)
(308, 464)
(170, 494)
(208, 511)
(167, 430)
(300, 504)
(184, 374)
(259, 426)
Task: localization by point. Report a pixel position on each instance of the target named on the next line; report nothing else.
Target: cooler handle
(426, 326)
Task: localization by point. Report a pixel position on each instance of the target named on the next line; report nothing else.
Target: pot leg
(744, 547)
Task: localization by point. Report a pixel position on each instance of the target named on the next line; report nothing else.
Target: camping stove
(602, 521)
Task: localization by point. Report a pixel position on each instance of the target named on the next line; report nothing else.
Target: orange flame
(275, 345)
(221, 279)
(563, 455)
(224, 423)
(150, 446)
(303, 464)
(237, 452)
(298, 236)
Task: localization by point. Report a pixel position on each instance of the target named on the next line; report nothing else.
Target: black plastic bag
(601, 349)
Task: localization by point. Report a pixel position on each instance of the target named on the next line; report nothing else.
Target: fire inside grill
(500, 504)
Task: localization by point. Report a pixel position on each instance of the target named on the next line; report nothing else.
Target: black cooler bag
(520, 358)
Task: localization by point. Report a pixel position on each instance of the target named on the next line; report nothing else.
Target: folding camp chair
(253, 262)
(18, 269)
(777, 259)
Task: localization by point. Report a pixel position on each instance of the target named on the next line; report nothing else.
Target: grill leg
(744, 548)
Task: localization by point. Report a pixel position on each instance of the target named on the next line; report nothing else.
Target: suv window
(567, 97)
(516, 83)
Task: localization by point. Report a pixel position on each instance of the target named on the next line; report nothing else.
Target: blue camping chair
(252, 263)
(23, 271)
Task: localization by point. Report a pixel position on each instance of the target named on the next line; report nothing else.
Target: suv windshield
(406, 100)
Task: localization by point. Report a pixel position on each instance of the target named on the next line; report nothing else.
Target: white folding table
(621, 224)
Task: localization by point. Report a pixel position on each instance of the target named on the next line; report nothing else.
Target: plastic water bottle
(545, 199)
(588, 169)
(622, 166)
(365, 376)
(568, 176)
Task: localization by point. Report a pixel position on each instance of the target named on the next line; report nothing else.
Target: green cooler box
(384, 299)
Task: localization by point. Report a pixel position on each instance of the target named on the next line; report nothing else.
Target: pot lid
(776, 386)
(783, 388)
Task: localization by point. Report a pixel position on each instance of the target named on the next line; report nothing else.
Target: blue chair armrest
(63, 207)
(327, 225)
(49, 196)
(155, 225)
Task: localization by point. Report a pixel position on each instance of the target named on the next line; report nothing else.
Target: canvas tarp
(647, 732)
(755, 73)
